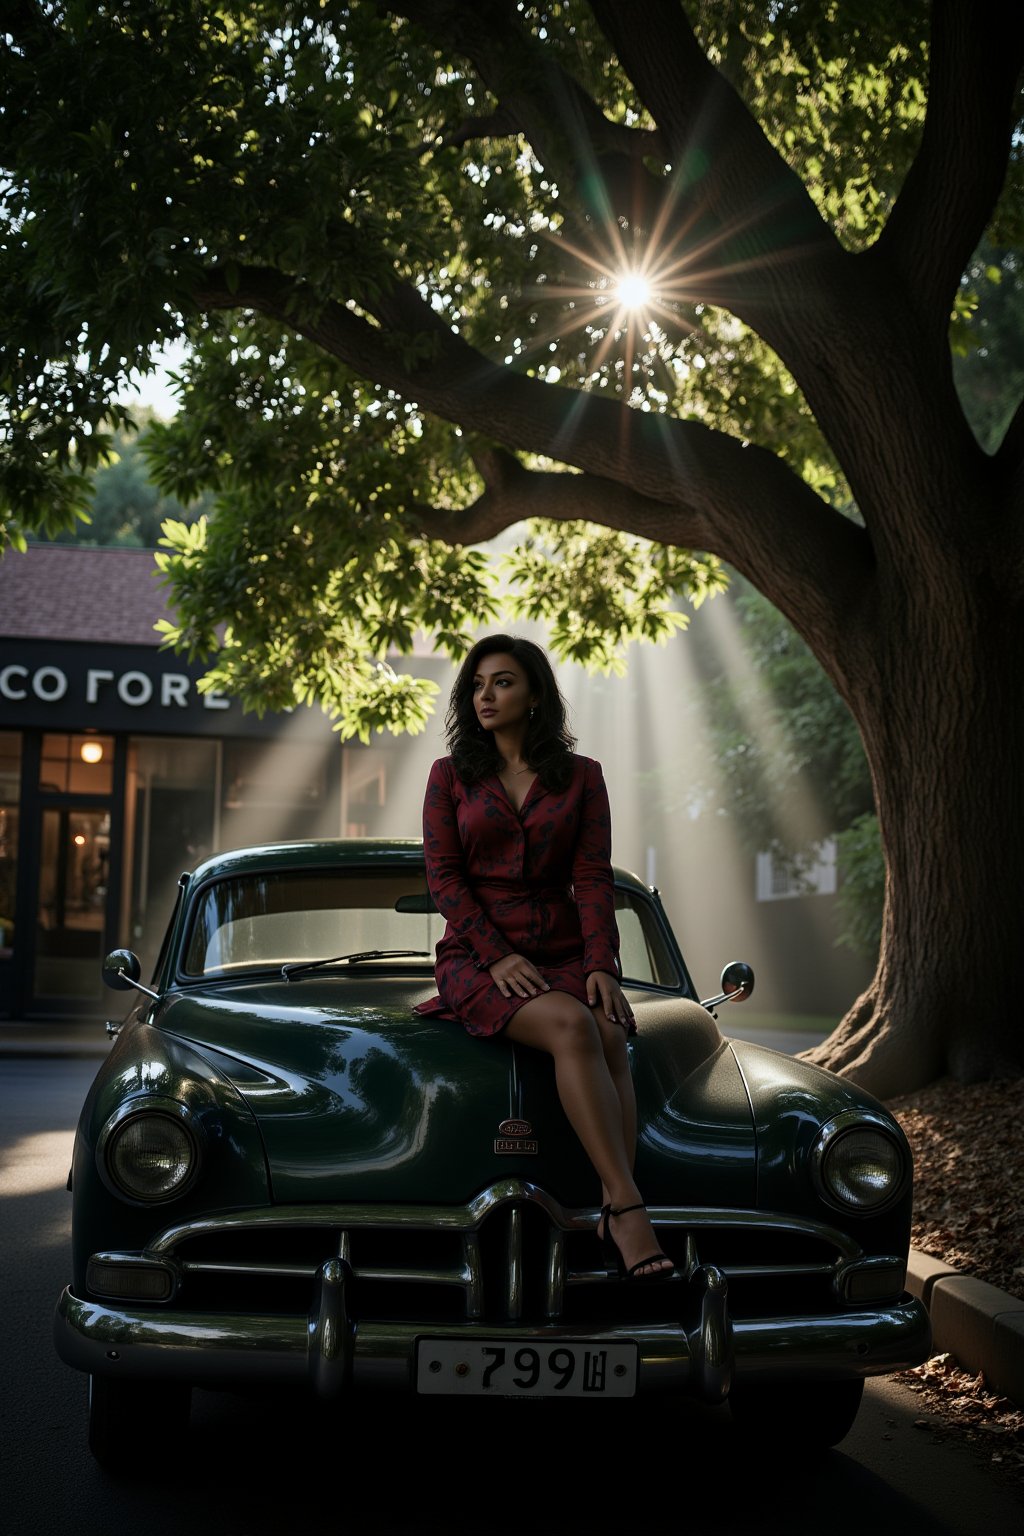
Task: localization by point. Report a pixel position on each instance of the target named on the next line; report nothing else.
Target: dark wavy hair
(548, 745)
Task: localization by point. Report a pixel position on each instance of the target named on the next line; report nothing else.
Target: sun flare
(633, 291)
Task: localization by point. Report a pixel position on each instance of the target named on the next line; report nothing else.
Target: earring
(531, 711)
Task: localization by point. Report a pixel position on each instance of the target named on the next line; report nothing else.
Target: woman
(517, 836)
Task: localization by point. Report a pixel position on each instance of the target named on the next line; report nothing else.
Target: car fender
(147, 1065)
(791, 1101)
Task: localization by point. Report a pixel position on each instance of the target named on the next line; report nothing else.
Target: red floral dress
(537, 882)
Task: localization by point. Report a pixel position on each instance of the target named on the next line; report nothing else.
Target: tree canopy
(336, 203)
(670, 284)
(124, 507)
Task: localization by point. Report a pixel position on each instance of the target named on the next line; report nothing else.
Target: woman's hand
(514, 976)
(605, 991)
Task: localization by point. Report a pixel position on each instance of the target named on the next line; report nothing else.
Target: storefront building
(116, 775)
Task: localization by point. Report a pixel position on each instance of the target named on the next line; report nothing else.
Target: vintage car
(284, 1176)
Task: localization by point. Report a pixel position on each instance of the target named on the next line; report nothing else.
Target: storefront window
(171, 801)
(364, 793)
(188, 798)
(274, 791)
(77, 765)
(74, 869)
(10, 792)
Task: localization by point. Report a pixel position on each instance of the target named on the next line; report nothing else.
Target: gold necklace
(516, 771)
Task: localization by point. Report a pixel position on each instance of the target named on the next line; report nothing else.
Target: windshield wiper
(288, 971)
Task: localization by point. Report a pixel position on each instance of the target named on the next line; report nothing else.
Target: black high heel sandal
(613, 1254)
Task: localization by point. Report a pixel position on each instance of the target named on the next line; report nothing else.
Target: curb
(981, 1326)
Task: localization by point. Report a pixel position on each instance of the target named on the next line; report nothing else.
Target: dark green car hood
(358, 1098)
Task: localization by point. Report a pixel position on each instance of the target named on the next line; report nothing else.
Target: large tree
(394, 236)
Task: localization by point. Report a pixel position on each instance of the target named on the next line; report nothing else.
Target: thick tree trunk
(941, 719)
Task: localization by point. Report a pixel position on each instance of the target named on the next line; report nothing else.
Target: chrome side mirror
(121, 970)
(737, 985)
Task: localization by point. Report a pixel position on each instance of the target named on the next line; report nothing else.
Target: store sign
(136, 689)
(64, 686)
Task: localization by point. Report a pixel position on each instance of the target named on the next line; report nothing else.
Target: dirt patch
(968, 1146)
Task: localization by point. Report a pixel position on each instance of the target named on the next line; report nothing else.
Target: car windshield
(267, 920)
(260, 920)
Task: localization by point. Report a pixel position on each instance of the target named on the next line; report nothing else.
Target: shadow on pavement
(265, 1467)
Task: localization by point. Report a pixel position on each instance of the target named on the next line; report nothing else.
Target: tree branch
(675, 482)
(567, 129)
(745, 216)
(497, 468)
(501, 124)
(976, 57)
(515, 494)
(413, 351)
(659, 51)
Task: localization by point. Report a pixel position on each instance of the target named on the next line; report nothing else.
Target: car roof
(329, 852)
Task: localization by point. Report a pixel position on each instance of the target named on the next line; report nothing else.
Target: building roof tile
(71, 592)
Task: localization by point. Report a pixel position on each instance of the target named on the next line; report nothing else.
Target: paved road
(257, 1467)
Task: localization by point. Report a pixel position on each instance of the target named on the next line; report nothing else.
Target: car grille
(512, 1256)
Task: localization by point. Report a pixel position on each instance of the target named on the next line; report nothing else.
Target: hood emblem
(515, 1136)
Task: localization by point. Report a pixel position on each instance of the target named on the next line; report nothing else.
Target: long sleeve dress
(535, 882)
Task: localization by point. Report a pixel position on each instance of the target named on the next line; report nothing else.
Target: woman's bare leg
(568, 1032)
(613, 1041)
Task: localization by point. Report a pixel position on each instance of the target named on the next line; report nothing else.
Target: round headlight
(859, 1166)
(151, 1156)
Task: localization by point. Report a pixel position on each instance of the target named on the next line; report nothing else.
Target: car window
(254, 921)
(643, 952)
(260, 920)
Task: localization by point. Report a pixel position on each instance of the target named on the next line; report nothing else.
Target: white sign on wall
(49, 684)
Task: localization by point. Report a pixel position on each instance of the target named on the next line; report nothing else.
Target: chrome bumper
(333, 1354)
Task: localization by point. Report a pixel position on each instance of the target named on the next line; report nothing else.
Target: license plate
(510, 1368)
